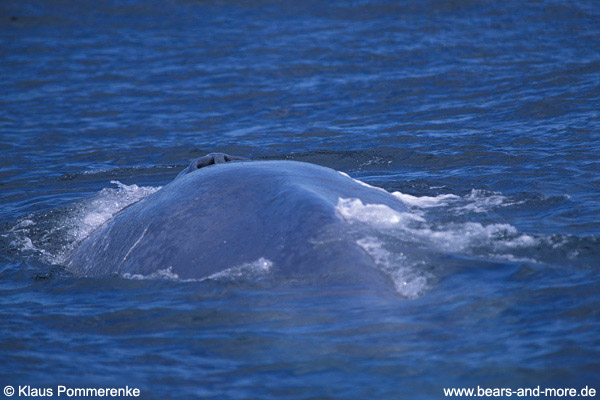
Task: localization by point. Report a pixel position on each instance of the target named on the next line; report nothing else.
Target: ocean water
(482, 117)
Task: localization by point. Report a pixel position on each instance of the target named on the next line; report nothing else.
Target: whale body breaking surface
(217, 215)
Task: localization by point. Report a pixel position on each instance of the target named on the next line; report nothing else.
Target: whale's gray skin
(227, 214)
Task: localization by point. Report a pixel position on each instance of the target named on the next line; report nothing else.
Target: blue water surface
(494, 103)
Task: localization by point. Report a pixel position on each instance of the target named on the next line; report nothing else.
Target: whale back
(231, 214)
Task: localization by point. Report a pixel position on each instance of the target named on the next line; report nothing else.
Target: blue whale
(224, 211)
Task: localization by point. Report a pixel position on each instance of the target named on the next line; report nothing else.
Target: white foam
(361, 182)
(511, 258)
(477, 201)
(425, 201)
(256, 268)
(52, 236)
(93, 212)
(24, 223)
(250, 270)
(480, 201)
(465, 237)
(409, 281)
(378, 214)
(401, 242)
(164, 274)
